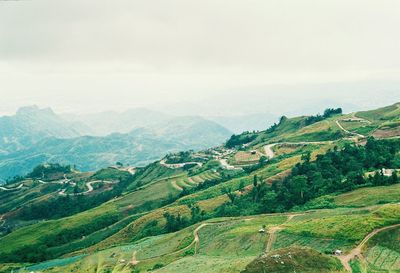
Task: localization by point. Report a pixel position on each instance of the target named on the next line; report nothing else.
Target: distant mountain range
(31, 124)
(34, 136)
(104, 123)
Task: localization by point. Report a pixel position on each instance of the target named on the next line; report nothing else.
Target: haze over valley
(213, 136)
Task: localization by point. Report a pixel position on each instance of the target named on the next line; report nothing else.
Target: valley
(309, 193)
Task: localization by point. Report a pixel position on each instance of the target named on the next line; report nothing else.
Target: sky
(95, 55)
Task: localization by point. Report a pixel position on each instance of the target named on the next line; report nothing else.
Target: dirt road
(357, 252)
(224, 163)
(270, 153)
(179, 165)
(273, 230)
(89, 186)
(195, 242)
(347, 131)
(268, 150)
(12, 189)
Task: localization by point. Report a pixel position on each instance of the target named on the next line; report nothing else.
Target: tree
(241, 186)
(231, 195)
(394, 178)
(306, 157)
(298, 188)
(255, 180)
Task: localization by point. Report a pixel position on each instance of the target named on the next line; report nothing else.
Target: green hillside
(279, 200)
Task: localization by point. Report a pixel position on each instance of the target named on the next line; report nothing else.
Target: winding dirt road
(12, 189)
(273, 230)
(195, 242)
(270, 153)
(347, 131)
(134, 261)
(89, 186)
(179, 165)
(224, 163)
(268, 150)
(357, 252)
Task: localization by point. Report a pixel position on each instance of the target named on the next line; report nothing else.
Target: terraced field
(231, 243)
(191, 181)
(163, 221)
(381, 253)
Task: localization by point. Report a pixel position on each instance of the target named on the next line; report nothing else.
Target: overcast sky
(92, 55)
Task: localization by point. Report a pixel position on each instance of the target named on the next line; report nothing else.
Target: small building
(261, 231)
(337, 252)
(387, 172)
(253, 152)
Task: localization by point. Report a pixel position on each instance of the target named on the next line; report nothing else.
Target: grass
(110, 174)
(128, 204)
(207, 264)
(325, 245)
(93, 238)
(229, 244)
(185, 181)
(381, 114)
(294, 130)
(245, 157)
(237, 237)
(295, 259)
(382, 251)
(369, 196)
(349, 227)
(54, 263)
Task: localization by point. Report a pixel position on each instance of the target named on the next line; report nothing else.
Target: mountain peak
(32, 109)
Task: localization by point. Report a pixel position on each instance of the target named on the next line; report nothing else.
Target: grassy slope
(294, 259)
(120, 207)
(237, 239)
(315, 227)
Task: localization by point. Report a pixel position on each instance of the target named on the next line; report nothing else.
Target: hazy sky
(91, 55)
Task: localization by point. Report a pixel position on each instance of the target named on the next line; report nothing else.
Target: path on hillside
(176, 186)
(357, 119)
(196, 239)
(179, 165)
(357, 252)
(268, 150)
(195, 242)
(134, 261)
(63, 181)
(273, 230)
(196, 236)
(131, 170)
(270, 153)
(226, 165)
(89, 186)
(347, 131)
(12, 189)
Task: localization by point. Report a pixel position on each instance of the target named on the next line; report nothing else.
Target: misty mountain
(104, 123)
(138, 147)
(31, 124)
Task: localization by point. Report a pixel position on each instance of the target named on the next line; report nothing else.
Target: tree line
(337, 171)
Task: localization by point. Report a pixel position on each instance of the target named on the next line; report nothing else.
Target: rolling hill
(310, 194)
(35, 136)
